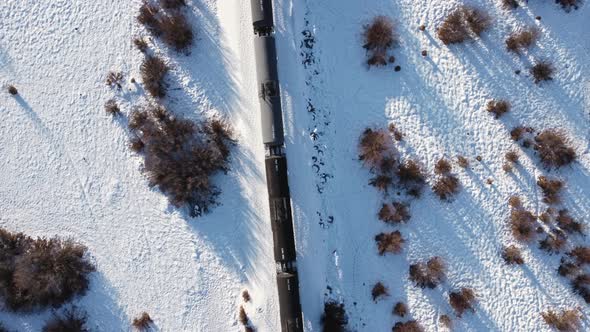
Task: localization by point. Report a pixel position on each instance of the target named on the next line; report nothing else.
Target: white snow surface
(66, 168)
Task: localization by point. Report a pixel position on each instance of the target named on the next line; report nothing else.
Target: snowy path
(67, 170)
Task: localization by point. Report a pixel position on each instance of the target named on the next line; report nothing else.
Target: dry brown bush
(379, 34)
(462, 24)
(111, 107)
(114, 79)
(542, 71)
(153, 70)
(581, 255)
(172, 4)
(498, 107)
(379, 291)
(176, 31)
(446, 321)
(141, 44)
(409, 326)
(511, 157)
(568, 224)
(428, 274)
(522, 224)
(512, 255)
(374, 144)
(182, 156)
(566, 320)
(242, 316)
(411, 175)
(334, 318)
(148, 17)
(446, 186)
(517, 132)
(551, 145)
(143, 322)
(462, 162)
(522, 39)
(442, 166)
(462, 300)
(400, 309)
(568, 269)
(381, 182)
(246, 295)
(509, 4)
(41, 273)
(389, 242)
(12, 90)
(515, 202)
(72, 320)
(397, 134)
(394, 213)
(553, 243)
(551, 189)
(569, 4)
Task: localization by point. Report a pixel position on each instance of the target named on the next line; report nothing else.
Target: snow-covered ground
(66, 169)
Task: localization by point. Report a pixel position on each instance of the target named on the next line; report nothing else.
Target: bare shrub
(553, 243)
(462, 300)
(172, 4)
(568, 269)
(182, 156)
(512, 255)
(542, 71)
(446, 186)
(446, 321)
(462, 162)
(389, 242)
(551, 189)
(400, 309)
(509, 4)
(153, 70)
(568, 224)
(143, 322)
(72, 320)
(334, 318)
(462, 24)
(581, 255)
(569, 4)
(377, 59)
(394, 213)
(148, 17)
(12, 90)
(114, 79)
(409, 326)
(522, 224)
(518, 41)
(141, 44)
(498, 107)
(41, 273)
(429, 274)
(511, 157)
(242, 316)
(111, 107)
(176, 31)
(442, 166)
(381, 182)
(411, 177)
(517, 132)
(567, 320)
(553, 150)
(515, 202)
(379, 291)
(397, 134)
(379, 34)
(136, 145)
(246, 295)
(373, 146)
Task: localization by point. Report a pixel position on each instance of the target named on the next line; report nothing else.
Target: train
(279, 197)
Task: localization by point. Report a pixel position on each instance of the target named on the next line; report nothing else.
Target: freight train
(281, 216)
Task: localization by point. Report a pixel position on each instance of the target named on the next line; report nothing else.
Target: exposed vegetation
(334, 318)
(379, 291)
(378, 39)
(144, 322)
(498, 107)
(542, 71)
(72, 320)
(463, 24)
(409, 326)
(12, 90)
(389, 242)
(567, 320)
(551, 145)
(172, 25)
(115, 79)
(551, 189)
(521, 40)
(181, 156)
(111, 107)
(428, 274)
(462, 301)
(153, 70)
(394, 213)
(400, 309)
(41, 273)
(512, 255)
